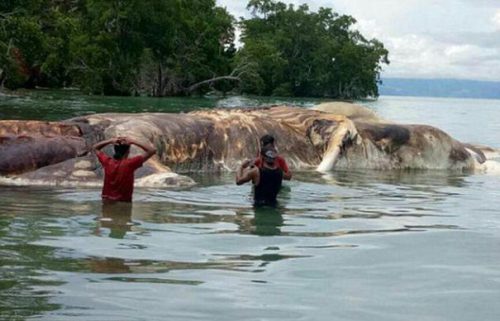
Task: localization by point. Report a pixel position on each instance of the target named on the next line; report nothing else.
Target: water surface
(351, 245)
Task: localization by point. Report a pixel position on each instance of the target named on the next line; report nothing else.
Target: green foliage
(99, 45)
(34, 43)
(156, 47)
(107, 48)
(23, 44)
(180, 47)
(301, 53)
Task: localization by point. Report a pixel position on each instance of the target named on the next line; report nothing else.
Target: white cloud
(413, 55)
(369, 28)
(418, 56)
(467, 54)
(496, 20)
(425, 38)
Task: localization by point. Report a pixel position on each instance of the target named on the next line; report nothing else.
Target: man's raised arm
(148, 150)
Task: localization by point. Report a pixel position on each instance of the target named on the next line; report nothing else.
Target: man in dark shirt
(119, 169)
(267, 141)
(266, 179)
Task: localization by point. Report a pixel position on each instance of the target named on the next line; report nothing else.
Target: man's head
(121, 151)
(266, 140)
(268, 155)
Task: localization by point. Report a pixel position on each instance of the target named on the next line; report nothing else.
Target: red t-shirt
(118, 176)
(280, 162)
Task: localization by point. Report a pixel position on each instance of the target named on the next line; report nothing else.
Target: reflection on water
(117, 217)
(426, 178)
(64, 253)
(350, 245)
(267, 221)
(62, 104)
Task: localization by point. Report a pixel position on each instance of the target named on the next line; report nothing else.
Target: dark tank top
(269, 185)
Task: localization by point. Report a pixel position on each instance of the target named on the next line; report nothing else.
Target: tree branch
(212, 80)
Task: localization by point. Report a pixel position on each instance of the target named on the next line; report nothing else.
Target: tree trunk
(159, 88)
(2, 78)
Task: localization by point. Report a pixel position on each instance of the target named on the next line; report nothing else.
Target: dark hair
(266, 140)
(121, 150)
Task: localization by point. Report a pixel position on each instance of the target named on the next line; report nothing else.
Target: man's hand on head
(120, 140)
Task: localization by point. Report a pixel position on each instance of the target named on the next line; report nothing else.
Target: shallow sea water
(350, 245)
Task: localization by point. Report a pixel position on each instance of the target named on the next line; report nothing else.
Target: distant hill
(440, 88)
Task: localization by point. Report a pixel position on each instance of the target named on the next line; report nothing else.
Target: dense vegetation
(180, 47)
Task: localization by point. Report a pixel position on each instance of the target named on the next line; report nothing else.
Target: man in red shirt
(119, 169)
(267, 141)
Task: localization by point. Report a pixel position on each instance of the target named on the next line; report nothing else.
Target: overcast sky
(425, 38)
